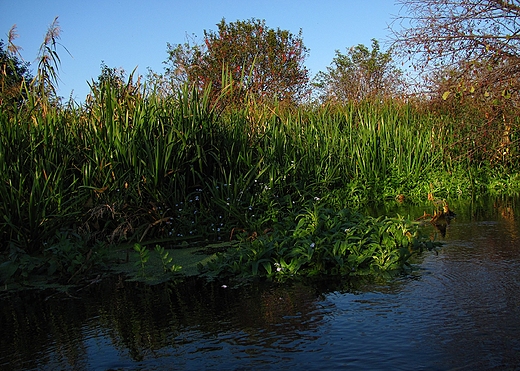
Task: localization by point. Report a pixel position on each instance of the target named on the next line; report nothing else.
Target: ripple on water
(460, 310)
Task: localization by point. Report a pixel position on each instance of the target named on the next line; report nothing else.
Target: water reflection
(460, 310)
(139, 322)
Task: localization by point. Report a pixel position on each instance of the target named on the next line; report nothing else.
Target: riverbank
(79, 181)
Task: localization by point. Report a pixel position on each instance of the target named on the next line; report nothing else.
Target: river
(459, 310)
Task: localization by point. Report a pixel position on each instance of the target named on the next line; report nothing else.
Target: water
(459, 311)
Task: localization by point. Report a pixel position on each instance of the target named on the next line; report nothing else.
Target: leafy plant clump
(323, 242)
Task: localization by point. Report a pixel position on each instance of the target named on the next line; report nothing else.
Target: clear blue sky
(130, 33)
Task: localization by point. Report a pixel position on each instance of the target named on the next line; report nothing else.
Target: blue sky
(134, 33)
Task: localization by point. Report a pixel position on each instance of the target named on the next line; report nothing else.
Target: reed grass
(118, 167)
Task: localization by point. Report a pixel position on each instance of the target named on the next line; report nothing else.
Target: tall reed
(125, 160)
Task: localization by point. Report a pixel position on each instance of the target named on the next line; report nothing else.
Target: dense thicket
(202, 162)
(245, 59)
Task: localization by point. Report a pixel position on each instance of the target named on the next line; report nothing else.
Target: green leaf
(7, 270)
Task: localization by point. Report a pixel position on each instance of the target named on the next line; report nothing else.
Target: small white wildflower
(312, 245)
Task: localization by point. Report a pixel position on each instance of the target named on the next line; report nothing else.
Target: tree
(245, 57)
(360, 74)
(114, 89)
(478, 38)
(469, 51)
(13, 73)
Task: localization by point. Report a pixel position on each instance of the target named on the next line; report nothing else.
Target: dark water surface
(459, 311)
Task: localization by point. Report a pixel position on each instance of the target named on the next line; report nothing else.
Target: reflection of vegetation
(140, 319)
(143, 320)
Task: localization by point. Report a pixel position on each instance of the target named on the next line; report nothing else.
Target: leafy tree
(13, 73)
(114, 87)
(480, 39)
(116, 79)
(360, 74)
(246, 58)
(469, 51)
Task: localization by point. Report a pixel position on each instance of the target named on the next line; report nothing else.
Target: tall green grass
(134, 166)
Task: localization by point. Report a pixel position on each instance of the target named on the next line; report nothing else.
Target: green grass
(137, 167)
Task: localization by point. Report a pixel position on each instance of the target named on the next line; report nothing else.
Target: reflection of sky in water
(101, 354)
(461, 309)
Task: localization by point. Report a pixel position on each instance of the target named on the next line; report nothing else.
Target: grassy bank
(138, 167)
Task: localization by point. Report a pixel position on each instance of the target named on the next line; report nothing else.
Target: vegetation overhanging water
(282, 183)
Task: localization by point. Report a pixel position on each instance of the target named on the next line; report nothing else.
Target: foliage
(152, 267)
(475, 41)
(13, 74)
(139, 167)
(246, 57)
(321, 242)
(114, 81)
(135, 166)
(47, 76)
(66, 257)
(360, 74)
(486, 129)
(445, 31)
(468, 52)
(144, 255)
(16, 84)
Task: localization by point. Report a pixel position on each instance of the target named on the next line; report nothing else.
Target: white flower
(313, 245)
